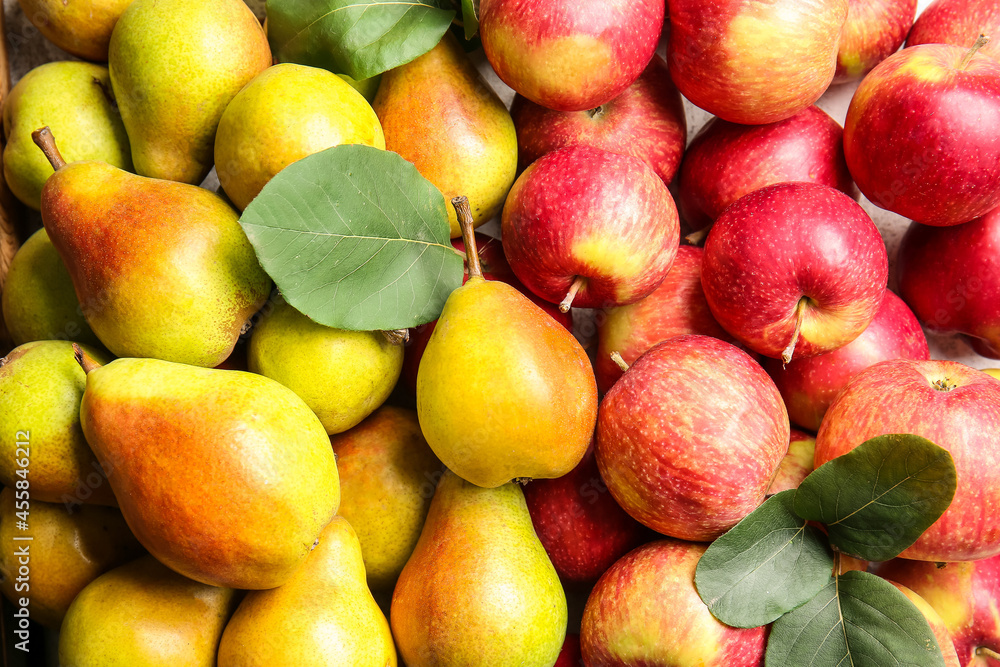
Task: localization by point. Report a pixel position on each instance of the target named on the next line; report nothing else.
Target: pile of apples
(210, 477)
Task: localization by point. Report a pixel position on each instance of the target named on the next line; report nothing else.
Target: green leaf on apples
(470, 17)
(877, 499)
(360, 38)
(857, 619)
(355, 238)
(768, 564)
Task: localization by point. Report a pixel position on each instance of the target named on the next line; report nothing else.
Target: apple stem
(619, 361)
(980, 42)
(86, 362)
(43, 139)
(800, 309)
(982, 651)
(695, 238)
(464, 214)
(567, 302)
(595, 111)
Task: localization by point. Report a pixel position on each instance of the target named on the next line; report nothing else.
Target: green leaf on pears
(857, 619)
(877, 499)
(470, 17)
(768, 564)
(355, 238)
(360, 38)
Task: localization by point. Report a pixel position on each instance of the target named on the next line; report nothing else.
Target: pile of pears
(214, 478)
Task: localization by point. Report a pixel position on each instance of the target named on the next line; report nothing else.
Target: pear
(161, 269)
(67, 551)
(225, 476)
(175, 65)
(323, 616)
(287, 112)
(470, 148)
(479, 589)
(503, 390)
(141, 614)
(367, 87)
(81, 28)
(72, 98)
(342, 375)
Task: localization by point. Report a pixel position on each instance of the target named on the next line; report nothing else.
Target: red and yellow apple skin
(726, 161)
(645, 611)
(874, 31)
(958, 22)
(952, 405)
(584, 212)
(787, 243)
(754, 61)
(950, 277)
(921, 136)
(646, 121)
(964, 595)
(940, 630)
(796, 465)
(570, 55)
(689, 439)
(809, 385)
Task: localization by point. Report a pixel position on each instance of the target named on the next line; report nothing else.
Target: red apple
(645, 121)
(950, 277)
(938, 627)
(958, 22)
(570, 656)
(570, 55)
(794, 267)
(921, 134)
(690, 437)
(953, 406)
(726, 161)
(754, 61)
(646, 611)
(874, 30)
(796, 465)
(809, 385)
(589, 227)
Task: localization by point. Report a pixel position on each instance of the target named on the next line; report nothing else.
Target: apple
(754, 61)
(938, 627)
(809, 385)
(570, 55)
(958, 22)
(921, 134)
(794, 269)
(646, 611)
(570, 655)
(690, 437)
(726, 161)
(874, 30)
(950, 277)
(587, 227)
(646, 121)
(797, 463)
(953, 406)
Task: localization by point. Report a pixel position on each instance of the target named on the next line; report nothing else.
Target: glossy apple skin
(581, 211)
(809, 385)
(645, 121)
(754, 61)
(690, 437)
(570, 55)
(645, 611)
(906, 396)
(726, 161)
(964, 595)
(874, 30)
(958, 22)
(950, 277)
(785, 242)
(797, 463)
(920, 136)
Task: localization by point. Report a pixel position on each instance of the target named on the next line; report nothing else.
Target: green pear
(72, 98)
(287, 112)
(161, 269)
(323, 616)
(142, 614)
(342, 375)
(175, 65)
(39, 302)
(367, 87)
(226, 477)
(81, 28)
(479, 588)
(468, 146)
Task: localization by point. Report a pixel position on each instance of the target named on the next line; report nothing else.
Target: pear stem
(86, 362)
(696, 238)
(567, 302)
(619, 361)
(43, 139)
(800, 309)
(980, 42)
(464, 214)
(397, 336)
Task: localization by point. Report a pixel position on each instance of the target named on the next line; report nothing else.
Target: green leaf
(470, 17)
(877, 499)
(360, 38)
(769, 563)
(857, 620)
(355, 238)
